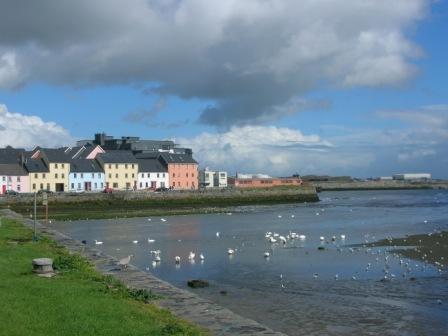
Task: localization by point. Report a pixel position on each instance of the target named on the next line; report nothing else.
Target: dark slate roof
(150, 166)
(117, 156)
(10, 155)
(36, 166)
(177, 158)
(55, 155)
(85, 166)
(12, 170)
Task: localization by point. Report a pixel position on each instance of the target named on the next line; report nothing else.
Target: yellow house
(39, 174)
(120, 169)
(56, 175)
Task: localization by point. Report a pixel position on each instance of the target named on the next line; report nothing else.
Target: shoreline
(181, 303)
(378, 185)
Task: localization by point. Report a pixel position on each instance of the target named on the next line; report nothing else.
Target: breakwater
(377, 185)
(139, 204)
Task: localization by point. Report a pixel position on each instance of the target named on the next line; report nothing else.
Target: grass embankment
(77, 301)
(112, 207)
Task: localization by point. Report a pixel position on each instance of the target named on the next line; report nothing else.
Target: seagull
(135, 241)
(125, 261)
(279, 216)
(267, 254)
(342, 236)
(272, 240)
(151, 240)
(230, 251)
(283, 239)
(217, 234)
(322, 238)
(201, 256)
(177, 259)
(98, 242)
(191, 256)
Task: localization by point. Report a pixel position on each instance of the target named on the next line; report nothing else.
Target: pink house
(14, 178)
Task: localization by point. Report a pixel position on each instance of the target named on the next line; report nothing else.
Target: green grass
(77, 301)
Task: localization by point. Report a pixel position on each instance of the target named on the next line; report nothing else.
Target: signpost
(45, 203)
(35, 213)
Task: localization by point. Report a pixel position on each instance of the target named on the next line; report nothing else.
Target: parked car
(108, 190)
(11, 192)
(161, 189)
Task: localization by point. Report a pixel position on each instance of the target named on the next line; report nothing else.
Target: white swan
(230, 251)
(98, 242)
(267, 254)
(322, 238)
(201, 256)
(177, 259)
(272, 240)
(151, 240)
(191, 256)
(135, 241)
(125, 261)
(343, 236)
(163, 219)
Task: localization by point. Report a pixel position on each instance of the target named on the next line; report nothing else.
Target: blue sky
(268, 90)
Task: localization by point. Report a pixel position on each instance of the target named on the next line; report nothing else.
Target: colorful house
(152, 174)
(13, 177)
(86, 175)
(38, 173)
(120, 168)
(182, 170)
(58, 164)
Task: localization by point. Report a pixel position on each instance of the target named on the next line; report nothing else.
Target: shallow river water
(299, 289)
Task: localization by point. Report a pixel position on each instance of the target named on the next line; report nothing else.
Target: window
(222, 174)
(110, 175)
(43, 175)
(163, 175)
(187, 174)
(74, 175)
(99, 175)
(178, 184)
(96, 185)
(116, 166)
(18, 178)
(143, 175)
(73, 186)
(41, 186)
(192, 174)
(174, 184)
(18, 187)
(35, 176)
(4, 178)
(149, 175)
(141, 185)
(110, 166)
(174, 175)
(126, 175)
(82, 175)
(63, 166)
(34, 186)
(132, 166)
(116, 175)
(79, 186)
(133, 175)
(56, 175)
(102, 185)
(62, 175)
(126, 166)
(187, 183)
(157, 174)
(48, 186)
(115, 185)
(56, 165)
(93, 175)
(146, 184)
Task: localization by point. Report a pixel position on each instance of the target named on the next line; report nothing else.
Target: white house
(152, 174)
(213, 179)
(86, 175)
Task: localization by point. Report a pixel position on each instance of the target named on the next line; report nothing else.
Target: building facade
(182, 170)
(13, 178)
(257, 182)
(152, 175)
(86, 175)
(212, 179)
(58, 163)
(120, 169)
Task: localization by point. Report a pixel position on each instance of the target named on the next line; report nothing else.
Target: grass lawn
(77, 301)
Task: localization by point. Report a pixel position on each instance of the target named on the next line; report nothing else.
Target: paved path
(219, 320)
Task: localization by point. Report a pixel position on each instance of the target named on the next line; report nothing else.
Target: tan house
(58, 165)
(120, 169)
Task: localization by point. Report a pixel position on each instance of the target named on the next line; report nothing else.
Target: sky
(337, 87)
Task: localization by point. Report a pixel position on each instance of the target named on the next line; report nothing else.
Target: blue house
(86, 175)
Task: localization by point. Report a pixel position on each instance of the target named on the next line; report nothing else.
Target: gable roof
(150, 166)
(177, 158)
(35, 166)
(12, 170)
(85, 166)
(55, 155)
(117, 156)
(10, 155)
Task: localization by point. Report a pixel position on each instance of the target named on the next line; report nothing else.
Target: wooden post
(45, 202)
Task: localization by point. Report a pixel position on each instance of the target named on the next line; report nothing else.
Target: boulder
(197, 283)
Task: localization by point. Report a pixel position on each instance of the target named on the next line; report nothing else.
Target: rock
(321, 248)
(197, 283)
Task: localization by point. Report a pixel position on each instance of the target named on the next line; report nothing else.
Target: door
(87, 186)
(3, 189)
(153, 184)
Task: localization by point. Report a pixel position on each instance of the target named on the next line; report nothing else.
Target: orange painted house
(182, 170)
(255, 182)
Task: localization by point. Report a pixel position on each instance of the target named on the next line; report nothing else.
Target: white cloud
(248, 57)
(274, 150)
(19, 130)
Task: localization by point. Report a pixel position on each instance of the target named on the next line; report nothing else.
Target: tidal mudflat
(354, 263)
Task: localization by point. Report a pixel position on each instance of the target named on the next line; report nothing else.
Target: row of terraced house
(127, 163)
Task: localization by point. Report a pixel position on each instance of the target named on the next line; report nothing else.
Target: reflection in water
(338, 285)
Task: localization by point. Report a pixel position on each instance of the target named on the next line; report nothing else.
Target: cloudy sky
(340, 87)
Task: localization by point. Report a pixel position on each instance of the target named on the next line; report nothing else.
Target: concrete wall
(146, 180)
(77, 181)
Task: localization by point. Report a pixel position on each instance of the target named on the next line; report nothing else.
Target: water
(299, 289)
